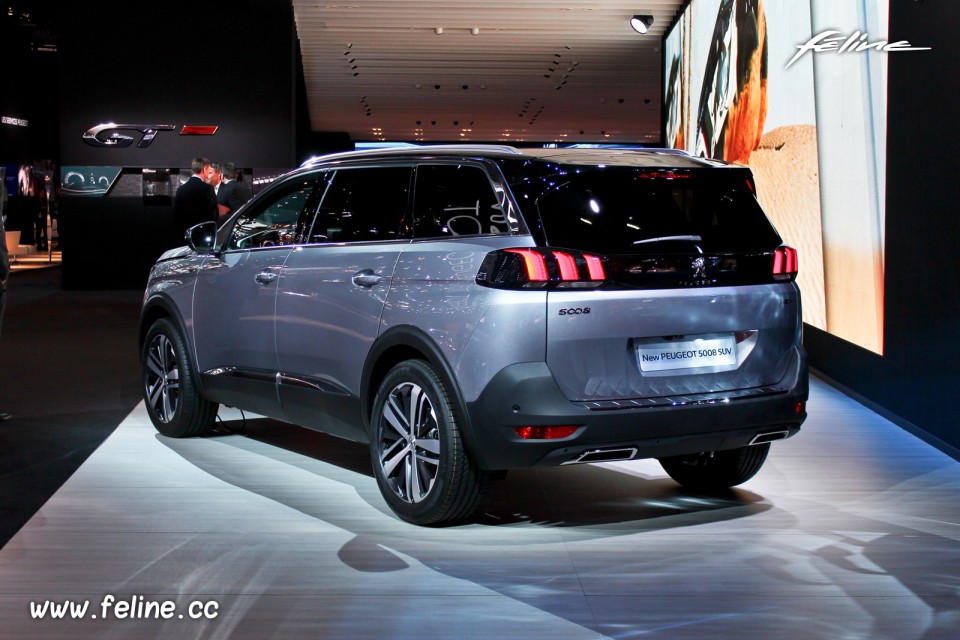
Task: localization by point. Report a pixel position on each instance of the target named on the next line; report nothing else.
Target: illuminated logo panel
(109, 134)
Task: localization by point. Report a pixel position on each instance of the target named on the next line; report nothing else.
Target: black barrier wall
(917, 378)
(207, 65)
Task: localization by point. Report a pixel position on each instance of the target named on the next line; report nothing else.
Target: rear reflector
(545, 433)
(526, 268)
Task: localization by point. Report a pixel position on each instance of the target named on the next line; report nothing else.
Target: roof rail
(420, 150)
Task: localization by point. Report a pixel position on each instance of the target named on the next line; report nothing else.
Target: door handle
(366, 278)
(266, 276)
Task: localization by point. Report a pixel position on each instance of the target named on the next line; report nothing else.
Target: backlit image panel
(732, 93)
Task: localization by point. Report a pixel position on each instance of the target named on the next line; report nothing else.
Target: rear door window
(365, 204)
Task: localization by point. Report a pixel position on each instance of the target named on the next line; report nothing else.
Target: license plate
(688, 353)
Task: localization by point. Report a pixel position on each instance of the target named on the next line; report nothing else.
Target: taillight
(533, 263)
(535, 268)
(785, 265)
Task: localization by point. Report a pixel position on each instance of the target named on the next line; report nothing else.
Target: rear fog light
(545, 433)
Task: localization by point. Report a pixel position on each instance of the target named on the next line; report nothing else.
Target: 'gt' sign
(108, 134)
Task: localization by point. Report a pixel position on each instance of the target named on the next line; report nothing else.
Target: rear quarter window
(456, 200)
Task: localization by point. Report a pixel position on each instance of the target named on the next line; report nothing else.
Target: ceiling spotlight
(640, 24)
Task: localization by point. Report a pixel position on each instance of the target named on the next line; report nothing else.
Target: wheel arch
(153, 309)
(159, 307)
(409, 343)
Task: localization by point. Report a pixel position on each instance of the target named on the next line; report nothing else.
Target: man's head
(215, 175)
(230, 171)
(201, 168)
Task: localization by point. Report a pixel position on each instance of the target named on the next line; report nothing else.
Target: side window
(455, 200)
(273, 222)
(363, 205)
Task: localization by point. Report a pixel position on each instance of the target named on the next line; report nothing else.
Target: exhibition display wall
(843, 142)
(916, 378)
(145, 90)
(739, 89)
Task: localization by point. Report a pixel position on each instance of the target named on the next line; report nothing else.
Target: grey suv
(470, 310)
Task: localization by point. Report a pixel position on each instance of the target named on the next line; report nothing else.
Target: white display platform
(851, 530)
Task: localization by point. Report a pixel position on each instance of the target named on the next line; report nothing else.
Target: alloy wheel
(408, 445)
(163, 378)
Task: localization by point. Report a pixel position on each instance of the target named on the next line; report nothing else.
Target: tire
(173, 401)
(716, 469)
(422, 467)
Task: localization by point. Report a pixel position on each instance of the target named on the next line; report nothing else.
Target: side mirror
(202, 237)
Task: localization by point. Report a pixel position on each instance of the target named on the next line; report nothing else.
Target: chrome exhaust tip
(604, 455)
(769, 436)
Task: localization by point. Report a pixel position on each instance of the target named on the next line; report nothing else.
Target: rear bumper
(526, 394)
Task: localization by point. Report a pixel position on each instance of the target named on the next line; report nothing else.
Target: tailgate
(628, 344)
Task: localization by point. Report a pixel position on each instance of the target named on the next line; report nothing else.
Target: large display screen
(812, 128)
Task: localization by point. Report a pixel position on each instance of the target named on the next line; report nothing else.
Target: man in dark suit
(233, 191)
(195, 200)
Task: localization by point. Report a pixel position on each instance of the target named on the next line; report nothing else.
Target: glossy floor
(851, 530)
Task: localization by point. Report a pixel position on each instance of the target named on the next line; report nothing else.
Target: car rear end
(673, 317)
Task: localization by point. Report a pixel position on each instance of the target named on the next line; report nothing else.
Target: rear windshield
(630, 210)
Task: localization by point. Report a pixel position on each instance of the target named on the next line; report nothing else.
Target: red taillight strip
(778, 258)
(595, 267)
(568, 266)
(535, 264)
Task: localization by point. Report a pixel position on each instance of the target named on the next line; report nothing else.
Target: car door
(332, 292)
(235, 298)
